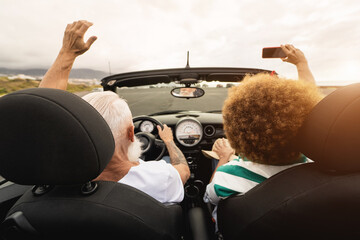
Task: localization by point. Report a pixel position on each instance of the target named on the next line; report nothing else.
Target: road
(151, 100)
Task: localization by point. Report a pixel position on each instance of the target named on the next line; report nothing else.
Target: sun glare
(350, 71)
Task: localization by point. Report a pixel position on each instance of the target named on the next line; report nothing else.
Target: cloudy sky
(138, 35)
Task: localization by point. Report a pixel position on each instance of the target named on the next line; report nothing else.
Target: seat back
(113, 210)
(58, 142)
(318, 199)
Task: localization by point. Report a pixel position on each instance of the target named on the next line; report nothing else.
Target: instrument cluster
(188, 132)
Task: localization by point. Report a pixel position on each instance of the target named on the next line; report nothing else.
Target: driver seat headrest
(52, 137)
(331, 133)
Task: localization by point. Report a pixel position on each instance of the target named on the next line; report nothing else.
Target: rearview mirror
(187, 92)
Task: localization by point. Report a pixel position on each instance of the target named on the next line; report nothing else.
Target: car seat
(314, 200)
(59, 143)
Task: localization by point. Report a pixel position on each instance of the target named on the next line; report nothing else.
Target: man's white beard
(134, 150)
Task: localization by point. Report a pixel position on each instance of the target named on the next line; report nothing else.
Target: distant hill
(11, 85)
(84, 73)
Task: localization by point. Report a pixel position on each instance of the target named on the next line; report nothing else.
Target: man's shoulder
(154, 167)
(154, 170)
(153, 163)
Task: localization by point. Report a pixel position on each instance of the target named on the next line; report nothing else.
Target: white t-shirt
(158, 179)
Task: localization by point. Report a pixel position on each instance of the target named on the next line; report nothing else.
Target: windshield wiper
(166, 112)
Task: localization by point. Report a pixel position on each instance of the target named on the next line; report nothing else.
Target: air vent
(209, 130)
(187, 115)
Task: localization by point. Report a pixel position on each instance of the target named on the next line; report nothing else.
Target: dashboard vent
(187, 115)
(209, 130)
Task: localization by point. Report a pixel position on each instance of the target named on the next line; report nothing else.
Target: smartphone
(273, 52)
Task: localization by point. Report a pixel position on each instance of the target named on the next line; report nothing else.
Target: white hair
(134, 150)
(114, 110)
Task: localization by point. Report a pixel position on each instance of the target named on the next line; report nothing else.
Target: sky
(135, 35)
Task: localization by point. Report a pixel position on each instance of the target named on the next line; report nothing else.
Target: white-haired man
(159, 179)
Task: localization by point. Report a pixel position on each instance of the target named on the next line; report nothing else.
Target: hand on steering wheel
(150, 143)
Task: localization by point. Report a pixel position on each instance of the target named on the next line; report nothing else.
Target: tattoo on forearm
(176, 156)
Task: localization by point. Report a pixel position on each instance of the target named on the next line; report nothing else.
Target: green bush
(3, 91)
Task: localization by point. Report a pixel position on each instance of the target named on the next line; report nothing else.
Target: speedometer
(146, 126)
(188, 132)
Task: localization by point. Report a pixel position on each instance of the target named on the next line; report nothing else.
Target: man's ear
(130, 133)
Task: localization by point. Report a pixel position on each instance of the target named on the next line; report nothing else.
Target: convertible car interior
(54, 144)
(194, 128)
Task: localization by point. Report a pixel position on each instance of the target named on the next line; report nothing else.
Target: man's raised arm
(73, 45)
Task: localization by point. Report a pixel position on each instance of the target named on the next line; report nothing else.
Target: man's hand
(73, 41)
(73, 45)
(165, 134)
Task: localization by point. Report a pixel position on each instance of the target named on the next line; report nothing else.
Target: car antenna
(109, 68)
(187, 62)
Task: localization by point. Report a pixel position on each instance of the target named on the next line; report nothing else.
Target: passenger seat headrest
(53, 137)
(331, 134)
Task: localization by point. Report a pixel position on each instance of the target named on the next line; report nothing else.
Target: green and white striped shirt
(239, 176)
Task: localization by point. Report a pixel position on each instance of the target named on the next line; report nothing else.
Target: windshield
(146, 101)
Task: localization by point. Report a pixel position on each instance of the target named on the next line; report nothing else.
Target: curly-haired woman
(261, 119)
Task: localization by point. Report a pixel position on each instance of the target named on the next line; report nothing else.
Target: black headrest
(50, 136)
(331, 134)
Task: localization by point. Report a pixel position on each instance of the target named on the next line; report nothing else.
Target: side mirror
(187, 92)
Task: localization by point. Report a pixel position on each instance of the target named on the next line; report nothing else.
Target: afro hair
(263, 114)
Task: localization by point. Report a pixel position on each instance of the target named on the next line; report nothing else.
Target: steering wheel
(148, 140)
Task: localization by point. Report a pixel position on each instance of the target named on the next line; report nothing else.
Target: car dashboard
(193, 131)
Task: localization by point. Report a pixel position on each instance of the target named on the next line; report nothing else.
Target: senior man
(161, 180)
